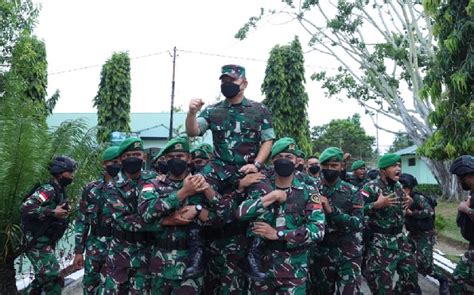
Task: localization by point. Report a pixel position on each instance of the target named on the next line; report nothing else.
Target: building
(415, 165)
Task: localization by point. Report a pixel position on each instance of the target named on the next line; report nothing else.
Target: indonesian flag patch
(43, 196)
(365, 193)
(147, 187)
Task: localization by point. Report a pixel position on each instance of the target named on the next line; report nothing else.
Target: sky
(81, 35)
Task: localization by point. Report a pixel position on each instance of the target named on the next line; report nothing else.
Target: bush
(433, 190)
(440, 223)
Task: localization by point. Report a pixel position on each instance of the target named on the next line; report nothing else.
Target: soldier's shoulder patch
(316, 201)
(147, 187)
(44, 192)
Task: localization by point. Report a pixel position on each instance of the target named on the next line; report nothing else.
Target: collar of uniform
(296, 184)
(245, 102)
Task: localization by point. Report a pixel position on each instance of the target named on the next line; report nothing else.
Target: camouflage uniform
(335, 262)
(389, 250)
(93, 215)
(237, 131)
(170, 250)
(302, 221)
(128, 254)
(37, 216)
(357, 182)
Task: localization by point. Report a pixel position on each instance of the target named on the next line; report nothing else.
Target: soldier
(160, 165)
(389, 249)
(176, 204)
(313, 167)
(335, 267)
(463, 278)
(358, 178)
(93, 215)
(242, 135)
(300, 156)
(44, 214)
(208, 148)
(128, 253)
(419, 222)
(200, 158)
(373, 174)
(293, 221)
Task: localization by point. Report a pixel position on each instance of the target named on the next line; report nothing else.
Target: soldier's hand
(176, 218)
(407, 201)
(385, 201)
(195, 105)
(265, 230)
(199, 183)
(248, 168)
(280, 196)
(464, 205)
(325, 203)
(61, 212)
(189, 212)
(408, 212)
(188, 189)
(250, 179)
(78, 261)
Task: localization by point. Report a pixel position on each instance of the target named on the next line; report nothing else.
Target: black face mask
(464, 185)
(163, 167)
(132, 165)
(330, 175)
(177, 166)
(314, 169)
(113, 169)
(65, 181)
(300, 167)
(284, 167)
(343, 174)
(230, 89)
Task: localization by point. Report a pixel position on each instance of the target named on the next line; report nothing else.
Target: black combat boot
(196, 262)
(253, 262)
(443, 286)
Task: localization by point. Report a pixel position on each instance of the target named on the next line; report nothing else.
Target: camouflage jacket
(92, 214)
(357, 182)
(300, 218)
(237, 130)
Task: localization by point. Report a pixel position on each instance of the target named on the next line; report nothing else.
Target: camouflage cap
(357, 164)
(110, 153)
(284, 145)
(234, 71)
(334, 154)
(177, 144)
(207, 147)
(388, 160)
(130, 144)
(199, 153)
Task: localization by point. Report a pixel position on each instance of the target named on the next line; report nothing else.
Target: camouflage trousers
(424, 243)
(46, 268)
(163, 286)
(331, 272)
(383, 262)
(127, 268)
(291, 286)
(463, 275)
(222, 276)
(94, 264)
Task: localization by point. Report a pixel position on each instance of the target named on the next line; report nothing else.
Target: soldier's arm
(354, 220)
(34, 205)
(152, 206)
(266, 138)
(425, 211)
(255, 207)
(312, 231)
(82, 224)
(369, 196)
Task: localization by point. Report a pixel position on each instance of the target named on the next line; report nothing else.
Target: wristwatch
(198, 209)
(258, 165)
(280, 235)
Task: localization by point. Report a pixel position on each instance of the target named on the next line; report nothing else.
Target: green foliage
(430, 190)
(16, 18)
(450, 82)
(113, 98)
(401, 141)
(440, 223)
(346, 134)
(285, 94)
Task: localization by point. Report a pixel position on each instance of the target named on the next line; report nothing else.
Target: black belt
(336, 239)
(169, 245)
(218, 233)
(131, 237)
(388, 231)
(282, 246)
(101, 231)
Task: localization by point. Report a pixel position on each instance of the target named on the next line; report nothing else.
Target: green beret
(177, 144)
(300, 154)
(206, 147)
(284, 145)
(130, 144)
(388, 160)
(110, 153)
(199, 153)
(357, 164)
(331, 154)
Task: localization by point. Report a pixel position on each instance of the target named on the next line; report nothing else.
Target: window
(411, 162)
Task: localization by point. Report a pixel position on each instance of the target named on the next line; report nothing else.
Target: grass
(450, 232)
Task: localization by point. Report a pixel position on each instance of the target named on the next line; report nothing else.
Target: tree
(401, 141)
(450, 80)
(285, 94)
(113, 98)
(346, 134)
(384, 49)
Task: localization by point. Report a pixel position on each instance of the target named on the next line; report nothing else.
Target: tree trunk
(450, 186)
(7, 277)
